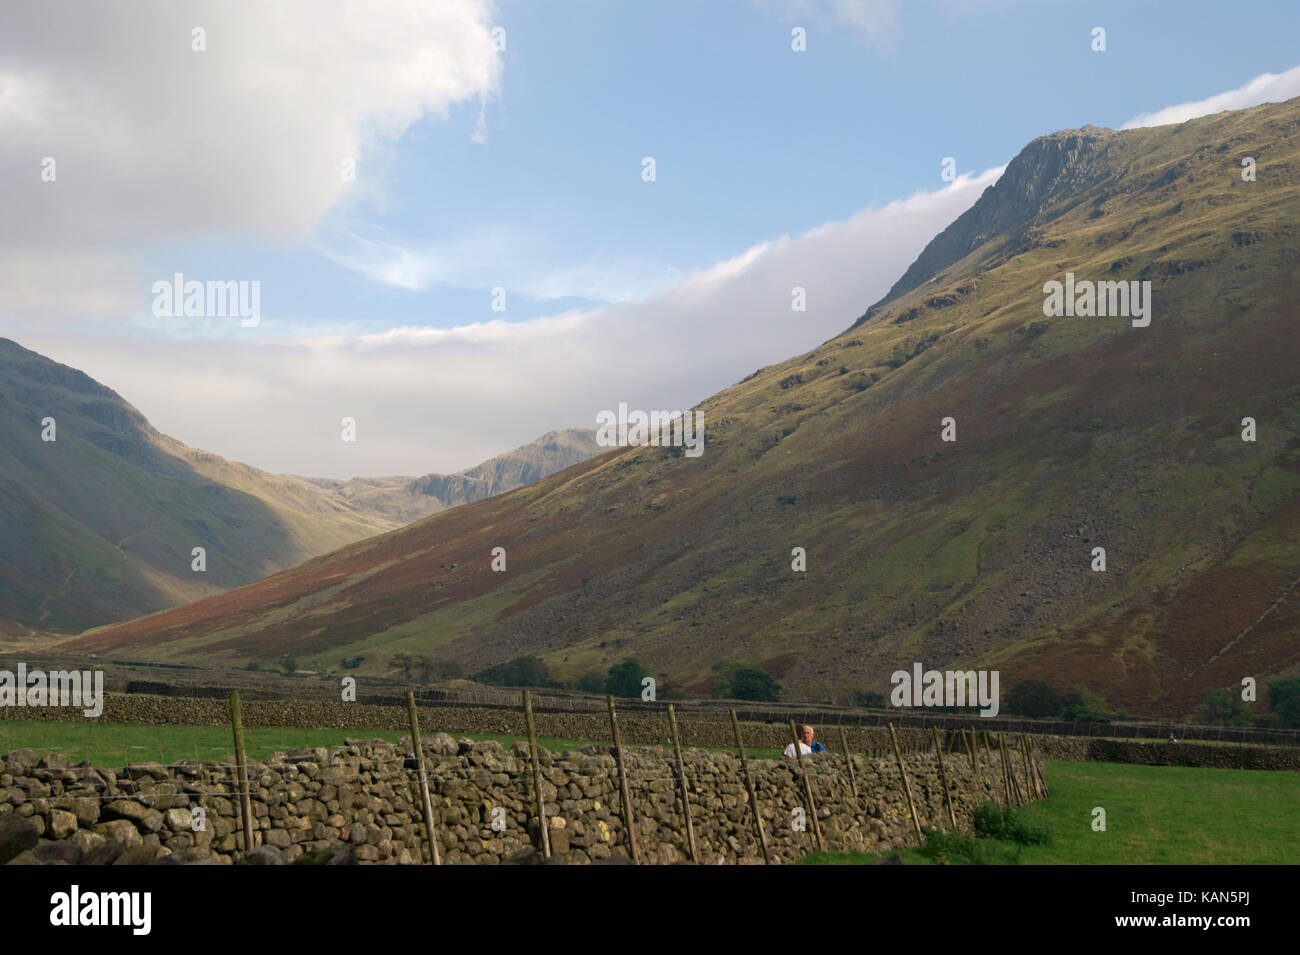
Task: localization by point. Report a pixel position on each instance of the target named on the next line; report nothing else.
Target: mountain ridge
(105, 531)
(1071, 434)
(1046, 170)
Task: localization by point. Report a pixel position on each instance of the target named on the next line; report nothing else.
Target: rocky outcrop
(1049, 170)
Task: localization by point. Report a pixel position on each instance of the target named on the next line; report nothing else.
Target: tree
(625, 678)
(1284, 700)
(1084, 705)
(591, 682)
(1036, 698)
(731, 681)
(404, 662)
(720, 686)
(872, 698)
(748, 683)
(1223, 707)
(521, 671)
(431, 668)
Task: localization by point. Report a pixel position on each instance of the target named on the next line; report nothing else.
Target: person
(807, 745)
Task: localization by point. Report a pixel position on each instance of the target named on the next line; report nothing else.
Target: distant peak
(1047, 170)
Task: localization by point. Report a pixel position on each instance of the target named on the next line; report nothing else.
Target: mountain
(99, 524)
(1071, 434)
(403, 499)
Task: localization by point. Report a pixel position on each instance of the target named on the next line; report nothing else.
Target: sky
(447, 207)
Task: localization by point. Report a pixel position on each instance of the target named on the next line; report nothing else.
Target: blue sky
(521, 168)
(751, 139)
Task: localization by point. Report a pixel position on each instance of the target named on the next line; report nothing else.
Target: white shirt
(804, 750)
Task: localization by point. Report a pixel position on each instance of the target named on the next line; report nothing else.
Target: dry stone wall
(360, 802)
(634, 728)
(1163, 753)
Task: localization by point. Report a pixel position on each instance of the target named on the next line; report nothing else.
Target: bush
(591, 682)
(955, 848)
(521, 671)
(351, 663)
(431, 669)
(1035, 698)
(1284, 700)
(731, 681)
(1223, 707)
(748, 683)
(1084, 705)
(871, 698)
(1011, 825)
(625, 678)
(952, 847)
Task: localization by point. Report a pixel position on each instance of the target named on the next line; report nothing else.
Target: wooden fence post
(624, 796)
(907, 786)
(1006, 785)
(1008, 780)
(1039, 773)
(848, 761)
(807, 790)
(970, 746)
(1030, 786)
(1022, 798)
(241, 771)
(749, 785)
(681, 784)
(424, 780)
(537, 777)
(1015, 778)
(943, 778)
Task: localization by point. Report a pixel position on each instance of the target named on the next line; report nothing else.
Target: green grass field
(114, 745)
(1155, 815)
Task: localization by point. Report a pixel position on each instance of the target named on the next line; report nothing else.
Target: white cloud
(485, 258)
(877, 19)
(154, 141)
(480, 134)
(1265, 88)
(45, 287)
(430, 399)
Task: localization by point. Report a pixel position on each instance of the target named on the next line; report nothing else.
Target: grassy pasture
(114, 745)
(1157, 815)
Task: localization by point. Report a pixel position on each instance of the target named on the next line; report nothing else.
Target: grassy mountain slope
(98, 525)
(1072, 433)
